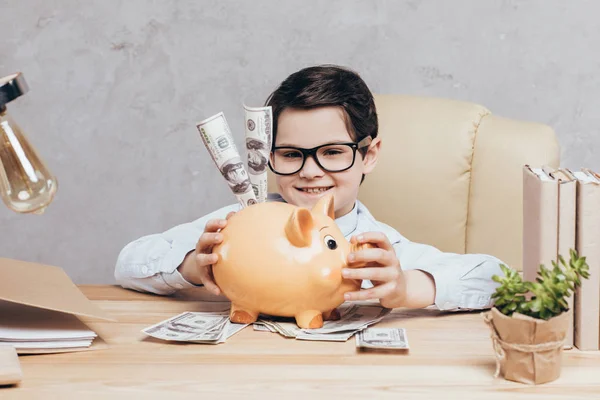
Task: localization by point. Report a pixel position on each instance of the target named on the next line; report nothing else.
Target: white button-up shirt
(462, 281)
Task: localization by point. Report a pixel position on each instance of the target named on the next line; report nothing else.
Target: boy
(324, 141)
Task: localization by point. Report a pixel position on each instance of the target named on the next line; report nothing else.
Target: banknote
(230, 330)
(382, 338)
(197, 327)
(352, 318)
(285, 329)
(215, 327)
(259, 123)
(259, 326)
(217, 139)
(327, 337)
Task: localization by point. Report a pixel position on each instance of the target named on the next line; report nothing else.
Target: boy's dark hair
(328, 85)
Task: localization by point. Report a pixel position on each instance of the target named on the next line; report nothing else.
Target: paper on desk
(44, 286)
(54, 344)
(47, 296)
(23, 323)
(33, 328)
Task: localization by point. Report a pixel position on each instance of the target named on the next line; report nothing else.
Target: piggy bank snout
(333, 262)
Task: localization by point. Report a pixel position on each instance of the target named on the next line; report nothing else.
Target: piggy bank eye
(330, 242)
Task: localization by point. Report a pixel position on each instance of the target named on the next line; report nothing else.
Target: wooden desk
(450, 357)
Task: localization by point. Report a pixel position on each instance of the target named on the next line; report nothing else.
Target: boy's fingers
(375, 255)
(206, 260)
(385, 274)
(207, 241)
(231, 214)
(214, 225)
(208, 281)
(376, 292)
(377, 238)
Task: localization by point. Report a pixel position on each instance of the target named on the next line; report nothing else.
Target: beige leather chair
(450, 174)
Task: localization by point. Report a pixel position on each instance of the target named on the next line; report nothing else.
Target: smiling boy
(325, 141)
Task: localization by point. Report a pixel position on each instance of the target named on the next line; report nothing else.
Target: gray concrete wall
(117, 85)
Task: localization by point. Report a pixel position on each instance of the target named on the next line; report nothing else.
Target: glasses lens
(287, 161)
(335, 157)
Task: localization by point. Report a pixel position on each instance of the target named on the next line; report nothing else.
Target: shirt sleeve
(462, 281)
(149, 264)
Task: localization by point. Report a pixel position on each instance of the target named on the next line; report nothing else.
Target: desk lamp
(26, 184)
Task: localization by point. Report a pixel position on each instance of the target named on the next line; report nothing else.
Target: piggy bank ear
(325, 206)
(299, 226)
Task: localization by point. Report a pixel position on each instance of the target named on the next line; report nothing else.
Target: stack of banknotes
(353, 318)
(196, 327)
(382, 339)
(215, 327)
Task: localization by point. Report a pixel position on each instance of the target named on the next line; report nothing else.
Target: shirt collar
(348, 223)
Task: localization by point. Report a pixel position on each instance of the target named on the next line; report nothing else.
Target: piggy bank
(282, 260)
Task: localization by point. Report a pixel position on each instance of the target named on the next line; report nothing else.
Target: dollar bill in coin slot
(259, 122)
(217, 139)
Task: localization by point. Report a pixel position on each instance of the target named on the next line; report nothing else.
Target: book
(28, 329)
(40, 310)
(567, 217)
(587, 296)
(540, 220)
(549, 223)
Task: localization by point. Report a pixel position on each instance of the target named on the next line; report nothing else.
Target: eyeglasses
(331, 157)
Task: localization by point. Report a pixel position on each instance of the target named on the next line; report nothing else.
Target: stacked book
(35, 330)
(561, 211)
(40, 310)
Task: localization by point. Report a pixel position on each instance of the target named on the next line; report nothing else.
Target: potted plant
(529, 320)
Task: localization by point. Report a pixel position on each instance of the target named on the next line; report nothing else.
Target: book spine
(587, 296)
(567, 211)
(540, 224)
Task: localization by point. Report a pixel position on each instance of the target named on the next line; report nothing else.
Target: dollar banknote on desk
(196, 327)
(215, 327)
(382, 339)
(353, 319)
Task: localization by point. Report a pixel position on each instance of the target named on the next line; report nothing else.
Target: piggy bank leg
(240, 316)
(310, 319)
(333, 315)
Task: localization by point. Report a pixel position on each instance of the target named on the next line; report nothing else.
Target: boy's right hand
(197, 265)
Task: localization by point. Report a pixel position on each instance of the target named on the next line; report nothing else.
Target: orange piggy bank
(283, 260)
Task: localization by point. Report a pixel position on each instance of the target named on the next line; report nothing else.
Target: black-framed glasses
(330, 157)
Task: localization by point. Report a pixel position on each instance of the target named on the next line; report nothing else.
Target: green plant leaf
(547, 294)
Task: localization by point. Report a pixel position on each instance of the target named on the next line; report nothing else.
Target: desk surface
(450, 357)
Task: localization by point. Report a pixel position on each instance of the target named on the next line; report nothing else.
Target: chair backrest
(450, 174)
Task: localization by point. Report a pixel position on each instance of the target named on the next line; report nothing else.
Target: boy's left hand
(381, 266)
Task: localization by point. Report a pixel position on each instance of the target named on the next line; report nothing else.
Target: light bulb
(26, 184)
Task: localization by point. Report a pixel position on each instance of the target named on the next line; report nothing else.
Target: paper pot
(527, 350)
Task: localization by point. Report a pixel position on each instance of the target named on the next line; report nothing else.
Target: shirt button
(145, 270)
